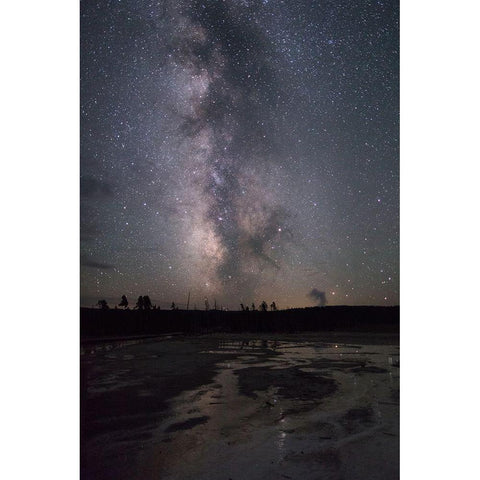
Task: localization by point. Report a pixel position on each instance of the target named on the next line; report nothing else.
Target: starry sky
(240, 150)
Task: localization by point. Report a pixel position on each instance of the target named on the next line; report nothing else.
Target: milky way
(240, 151)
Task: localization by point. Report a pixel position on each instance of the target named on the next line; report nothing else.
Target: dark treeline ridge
(115, 322)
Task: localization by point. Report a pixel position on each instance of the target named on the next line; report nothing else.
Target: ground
(305, 406)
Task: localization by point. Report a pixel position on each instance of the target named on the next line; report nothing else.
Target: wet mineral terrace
(306, 406)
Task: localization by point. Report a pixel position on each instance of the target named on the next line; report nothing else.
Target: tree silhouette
(264, 306)
(124, 302)
(242, 307)
(253, 307)
(103, 304)
(173, 306)
(140, 303)
(273, 307)
(147, 304)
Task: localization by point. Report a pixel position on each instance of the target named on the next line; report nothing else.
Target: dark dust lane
(242, 407)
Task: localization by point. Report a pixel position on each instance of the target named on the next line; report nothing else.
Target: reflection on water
(93, 347)
(302, 354)
(107, 346)
(236, 345)
(282, 435)
(266, 411)
(394, 361)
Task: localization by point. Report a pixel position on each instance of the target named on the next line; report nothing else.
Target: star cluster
(240, 150)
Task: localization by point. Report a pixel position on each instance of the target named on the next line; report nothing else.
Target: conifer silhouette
(103, 304)
(147, 304)
(124, 302)
(139, 304)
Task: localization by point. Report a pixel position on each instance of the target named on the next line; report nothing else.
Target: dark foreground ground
(118, 322)
(241, 406)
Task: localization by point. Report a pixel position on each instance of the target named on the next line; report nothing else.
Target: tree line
(144, 303)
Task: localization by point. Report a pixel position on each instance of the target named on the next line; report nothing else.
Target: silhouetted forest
(101, 322)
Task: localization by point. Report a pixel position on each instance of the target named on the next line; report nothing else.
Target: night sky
(240, 150)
